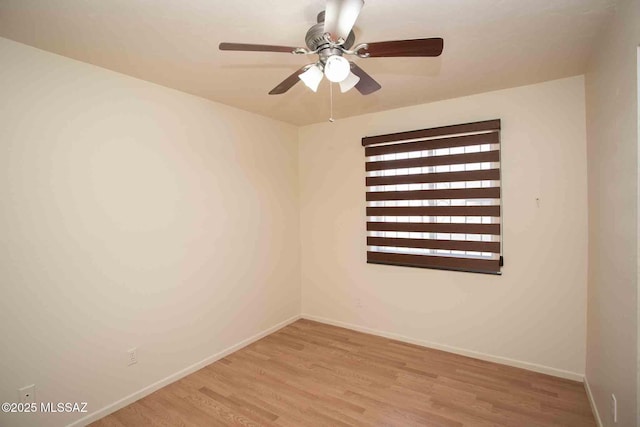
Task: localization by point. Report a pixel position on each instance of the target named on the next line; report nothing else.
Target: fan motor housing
(315, 37)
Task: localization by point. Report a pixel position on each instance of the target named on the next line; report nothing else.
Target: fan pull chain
(331, 120)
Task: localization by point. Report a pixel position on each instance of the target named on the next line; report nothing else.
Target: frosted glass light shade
(312, 77)
(337, 68)
(348, 83)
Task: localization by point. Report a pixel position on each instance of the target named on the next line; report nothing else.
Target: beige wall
(534, 314)
(612, 134)
(133, 215)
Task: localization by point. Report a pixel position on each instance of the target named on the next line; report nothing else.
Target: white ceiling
(489, 44)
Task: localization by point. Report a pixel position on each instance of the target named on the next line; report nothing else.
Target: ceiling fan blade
(366, 85)
(340, 17)
(289, 82)
(416, 47)
(245, 47)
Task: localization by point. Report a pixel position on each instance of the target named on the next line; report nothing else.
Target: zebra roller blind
(433, 198)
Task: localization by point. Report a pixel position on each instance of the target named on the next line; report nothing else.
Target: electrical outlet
(27, 394)
(133, 356)
(614, 408)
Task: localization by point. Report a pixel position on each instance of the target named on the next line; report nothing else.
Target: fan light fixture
(312, 77)
(337, 68)
(348, 83)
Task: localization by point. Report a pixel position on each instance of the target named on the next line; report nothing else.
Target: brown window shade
(433, 198)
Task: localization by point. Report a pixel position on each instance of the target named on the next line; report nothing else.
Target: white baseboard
(100, 413)
(470, 353)
(592, 402)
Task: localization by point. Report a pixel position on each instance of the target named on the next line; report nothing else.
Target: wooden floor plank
(313, 374)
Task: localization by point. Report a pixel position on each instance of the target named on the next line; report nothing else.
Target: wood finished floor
(309, 374)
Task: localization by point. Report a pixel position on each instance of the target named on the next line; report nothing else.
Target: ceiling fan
(331, 39)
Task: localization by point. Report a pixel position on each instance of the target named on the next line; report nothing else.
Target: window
(433, 198)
